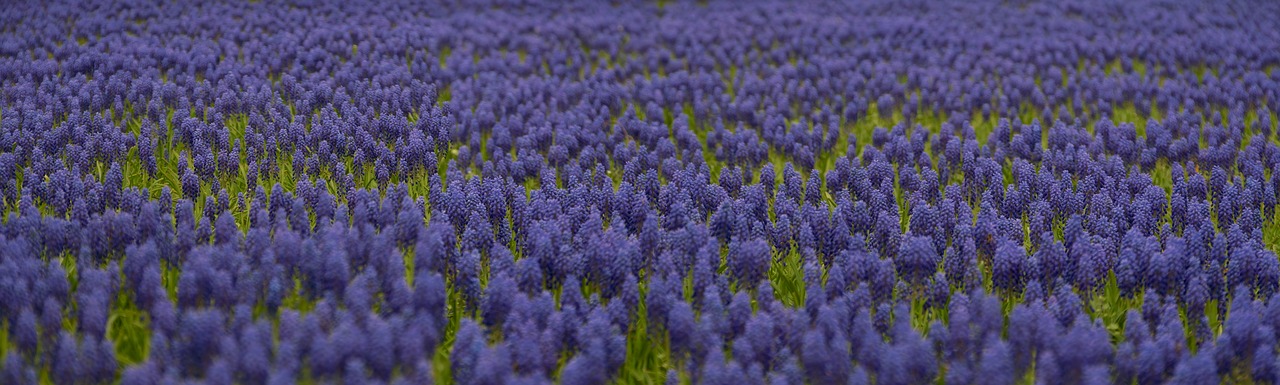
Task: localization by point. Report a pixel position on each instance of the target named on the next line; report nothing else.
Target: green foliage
(649, 355)
(1111, 307)
(129, 330)
(786, 275)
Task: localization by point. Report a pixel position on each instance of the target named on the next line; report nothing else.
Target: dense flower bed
(584, 192)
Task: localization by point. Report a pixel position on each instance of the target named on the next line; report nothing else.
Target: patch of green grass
(1271, 235)
(1162, 175)
(786, 275)
(1110, 306)
(129, 330)
(5, 345)
(649, 355)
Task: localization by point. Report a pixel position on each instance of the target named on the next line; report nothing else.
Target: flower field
(639, 192)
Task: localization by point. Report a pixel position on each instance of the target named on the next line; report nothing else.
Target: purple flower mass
(683, 192)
